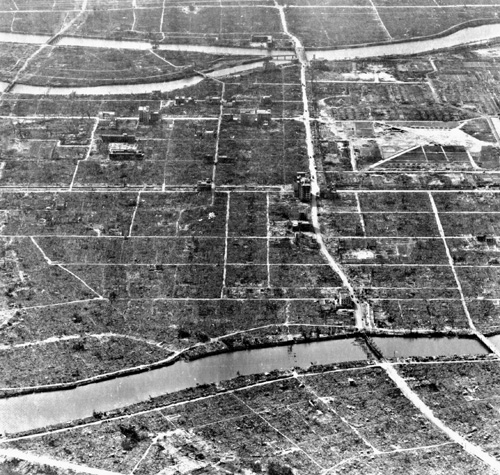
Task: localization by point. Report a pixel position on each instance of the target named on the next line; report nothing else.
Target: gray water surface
(402, 347)
(38, 410)
(495, 340)
(142, 88)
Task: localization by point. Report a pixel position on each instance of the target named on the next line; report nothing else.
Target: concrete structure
(124, 151)
(213, 100)
(266, 101)
(262, 40)
(248, 117)
(302, 187)
(204, 185)
(144, 115)
(107, 116)
(302, 227)
(263, 116)
(123, 138)
(251, 117)
(226, 159)
(147, 116)
(344, 300)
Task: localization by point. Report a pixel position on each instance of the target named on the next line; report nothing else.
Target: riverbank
(33, 408)
(265, 339)
(464, 34)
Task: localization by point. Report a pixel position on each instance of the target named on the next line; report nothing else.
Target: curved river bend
(37, 410)
(476, 34)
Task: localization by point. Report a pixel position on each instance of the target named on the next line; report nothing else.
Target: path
(472, 449)
(304, 63)
(48, 461)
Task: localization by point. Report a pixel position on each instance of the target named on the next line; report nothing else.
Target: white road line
(50, 462)
(217, 141)
(47, 259)
(74, 175)
(450, 261)
(398, 154)
(136, 466)
(137, 203)
(361, 217)
(382, 24)
(92, 137)
(51, 263)
(82, 281)
(225, 245)
(164, 60)
(97, 336)
(72, 302)
(134, 7)
(301, 55)
(162, 17)
(472, 162)
(268, 241)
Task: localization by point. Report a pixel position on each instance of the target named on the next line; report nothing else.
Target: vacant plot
(483, 202)
(42, 22)
(473, 252)
(261, 155)
(463, 396)
(405, 250)
(182, 214)
(71, 65)
(12, 58)
(29, 280)
(74, 359)
(139, 173)
(480, 282)
(430, 20)
(234, 24)
(32, 173)
(324, 27)
(67, 213)
(312, 417)
(400, 224)
(402, 276)
(140, 251)
(419, 313)
(463, 224)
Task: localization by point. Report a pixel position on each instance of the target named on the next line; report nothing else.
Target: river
(34, 411)
(495, 340)
(477, 34)
(468, 35)
(143, 88)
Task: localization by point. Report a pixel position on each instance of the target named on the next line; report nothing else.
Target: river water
(145, 88)
(7, 37)
(397, 347)
(475, 34)
(495, 340)
(467, 35)
(38, 410)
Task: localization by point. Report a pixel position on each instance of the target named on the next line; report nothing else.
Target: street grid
(156, 263)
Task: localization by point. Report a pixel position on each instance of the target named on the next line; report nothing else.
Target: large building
(124, 151)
